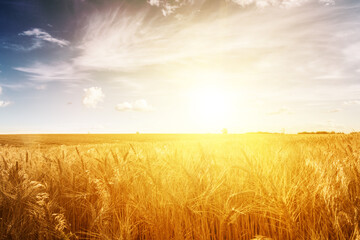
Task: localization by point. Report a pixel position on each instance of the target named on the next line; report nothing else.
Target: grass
(182, 187)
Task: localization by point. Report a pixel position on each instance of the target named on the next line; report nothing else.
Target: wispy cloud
(260, 45)
(26, 47)
(56, 71)
(327, 2)
(170, 7)
(124, 107)
(124, 41)
(92, 97)
(35, 39)
(3, 103)
(39, 36)
(250, 46)
(140, 105)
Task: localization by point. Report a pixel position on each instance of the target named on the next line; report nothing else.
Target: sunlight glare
(210, 107)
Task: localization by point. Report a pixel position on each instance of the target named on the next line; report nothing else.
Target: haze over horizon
(180, 66)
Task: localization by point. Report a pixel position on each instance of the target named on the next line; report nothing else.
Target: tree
(224, 131)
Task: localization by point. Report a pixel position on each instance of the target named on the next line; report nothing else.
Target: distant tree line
(321, 132)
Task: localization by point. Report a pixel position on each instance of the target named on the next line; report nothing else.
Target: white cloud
(327, 2)
(41, 36)
(93, 96)
(140, 105)
(246, 45)
(37, 39)
(4, 103)
(120, 40)
(34, 44)
(258, 3)
(125, 106)
(124, 41)
(154, 2)
(169, 7)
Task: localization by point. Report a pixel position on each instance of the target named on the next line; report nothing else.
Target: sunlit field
(180, 187)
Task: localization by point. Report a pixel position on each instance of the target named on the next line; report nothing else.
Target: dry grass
(215, 187)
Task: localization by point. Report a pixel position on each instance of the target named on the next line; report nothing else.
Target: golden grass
(209, 187)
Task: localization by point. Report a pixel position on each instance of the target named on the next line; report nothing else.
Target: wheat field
(181, 187)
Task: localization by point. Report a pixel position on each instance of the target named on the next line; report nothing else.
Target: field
(180, 186)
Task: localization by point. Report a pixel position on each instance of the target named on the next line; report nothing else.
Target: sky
(179, 66)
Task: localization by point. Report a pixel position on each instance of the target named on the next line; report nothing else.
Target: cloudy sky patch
(299, 54)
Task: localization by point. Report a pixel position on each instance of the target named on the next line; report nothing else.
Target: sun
(210, 107)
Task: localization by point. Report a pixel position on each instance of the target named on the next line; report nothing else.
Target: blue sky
(182, 66)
